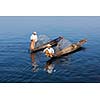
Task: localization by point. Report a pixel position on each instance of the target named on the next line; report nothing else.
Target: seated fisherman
(49, 51)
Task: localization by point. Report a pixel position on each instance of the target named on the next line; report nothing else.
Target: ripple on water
(81, 66)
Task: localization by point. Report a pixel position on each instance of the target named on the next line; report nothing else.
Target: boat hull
(52, 43)
(70, 49)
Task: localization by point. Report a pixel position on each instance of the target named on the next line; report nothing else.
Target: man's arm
(44, 50)
(52, 50)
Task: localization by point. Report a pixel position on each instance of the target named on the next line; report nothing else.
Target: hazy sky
(46, 24)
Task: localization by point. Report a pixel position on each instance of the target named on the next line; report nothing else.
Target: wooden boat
(70, 49)
(52, 43)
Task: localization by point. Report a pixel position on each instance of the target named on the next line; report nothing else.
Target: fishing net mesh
(42, 39)
(62, 44)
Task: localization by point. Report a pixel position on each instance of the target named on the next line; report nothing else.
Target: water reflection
(52, 63)
(34, 63)
(49, 67)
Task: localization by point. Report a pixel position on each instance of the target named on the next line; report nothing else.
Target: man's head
(34, 33)
(48, 46)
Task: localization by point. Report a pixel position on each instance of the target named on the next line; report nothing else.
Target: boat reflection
(33, 61)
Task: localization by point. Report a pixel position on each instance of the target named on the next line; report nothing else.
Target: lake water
(15, 59)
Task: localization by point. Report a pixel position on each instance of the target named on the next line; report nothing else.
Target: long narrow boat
(73, 47)
(52, 43)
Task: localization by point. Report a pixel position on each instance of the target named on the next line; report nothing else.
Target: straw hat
(34, 33)
(48, 45)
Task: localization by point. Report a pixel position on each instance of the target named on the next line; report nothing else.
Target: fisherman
(33, 39)
(49, 51)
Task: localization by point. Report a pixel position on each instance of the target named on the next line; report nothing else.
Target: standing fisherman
(33, 39)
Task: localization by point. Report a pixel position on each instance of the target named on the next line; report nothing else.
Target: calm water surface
(15, 60)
